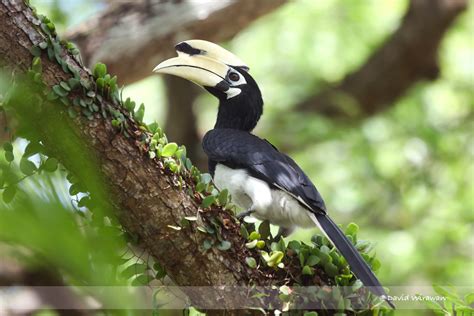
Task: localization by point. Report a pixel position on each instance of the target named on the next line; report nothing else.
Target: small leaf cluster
(214, 229)
(453, 303)
(308, 263)
(14, 173)
(139, 272)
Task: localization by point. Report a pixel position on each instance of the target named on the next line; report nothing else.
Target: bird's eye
(233, 76)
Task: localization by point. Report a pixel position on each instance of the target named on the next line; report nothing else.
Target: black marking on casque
(184, 47)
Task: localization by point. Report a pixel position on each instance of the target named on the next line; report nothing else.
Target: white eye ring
(234, 78)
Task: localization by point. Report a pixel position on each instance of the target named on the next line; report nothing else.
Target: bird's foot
(282, 232)
(242, 215)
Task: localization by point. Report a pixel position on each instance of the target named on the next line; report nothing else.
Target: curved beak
(199, 69)
(202, 62)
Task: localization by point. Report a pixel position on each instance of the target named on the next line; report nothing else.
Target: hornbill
(266, 182)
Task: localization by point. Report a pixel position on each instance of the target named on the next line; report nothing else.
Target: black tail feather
(358, 265)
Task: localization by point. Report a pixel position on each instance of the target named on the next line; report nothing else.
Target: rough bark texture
(133, 37)
(408, 56)
(142, 192)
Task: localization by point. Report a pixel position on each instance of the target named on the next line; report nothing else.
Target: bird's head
(223, 75)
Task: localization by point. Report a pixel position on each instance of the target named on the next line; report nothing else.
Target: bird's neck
(239, 115)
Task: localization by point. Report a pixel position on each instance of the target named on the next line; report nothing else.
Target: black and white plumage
(259, 177)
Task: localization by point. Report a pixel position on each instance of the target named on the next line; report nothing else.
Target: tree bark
(133, 37)
(144, 194)
(408, 56)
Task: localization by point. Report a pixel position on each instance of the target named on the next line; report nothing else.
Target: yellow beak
(199, 69)
(202, 62)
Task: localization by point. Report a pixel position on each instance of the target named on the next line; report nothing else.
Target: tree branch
(181, 120)
(408, 56)
(144, 194)
(133, 37)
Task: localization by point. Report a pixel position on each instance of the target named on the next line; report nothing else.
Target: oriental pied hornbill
(266, 182)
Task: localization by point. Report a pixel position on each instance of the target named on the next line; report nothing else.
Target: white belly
(276, 206)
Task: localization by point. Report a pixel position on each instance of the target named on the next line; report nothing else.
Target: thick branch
(142, 191)
(181, 120)
(133, 37)
(13, 274)
(408, 56)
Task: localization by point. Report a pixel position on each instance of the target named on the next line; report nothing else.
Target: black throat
(242, 111)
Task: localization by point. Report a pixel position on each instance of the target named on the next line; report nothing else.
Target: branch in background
(408, 56)
(12, 273)
(181, 120)
(133, 37)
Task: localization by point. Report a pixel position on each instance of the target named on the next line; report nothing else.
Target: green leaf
(74, 189)
(8, 147)
(140, 113)
(160, 271)
(260, 244)
(312, 261)
(141, 280)
(35, 51)
(51, 96)
(9, 156)
(27, 167)
(169, 149)
(375, 264)
(50, 165)
(224, 245)
(9, 193)
(134, 269)
(208, 201)
(60, 91)
(206, 178)
(469, 298)
(352, 229)
(153, 127)
(200, 187)
(275, 258)
(310, 314)
(36, 65)
(100, 70)
(43, 45)
(251, 244)
(294, 245)
(100, 83)
(307, 270)
(65, 86)
(331, 269)
(73, 82)
(244, 232)
(207, 244)
(254, 236)
(251, 262)
(223, 196)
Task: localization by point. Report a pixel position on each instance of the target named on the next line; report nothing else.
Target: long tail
(358, 265)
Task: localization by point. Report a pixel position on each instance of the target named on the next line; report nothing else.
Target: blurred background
(374, 100)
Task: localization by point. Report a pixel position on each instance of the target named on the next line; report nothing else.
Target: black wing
(240, 149)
